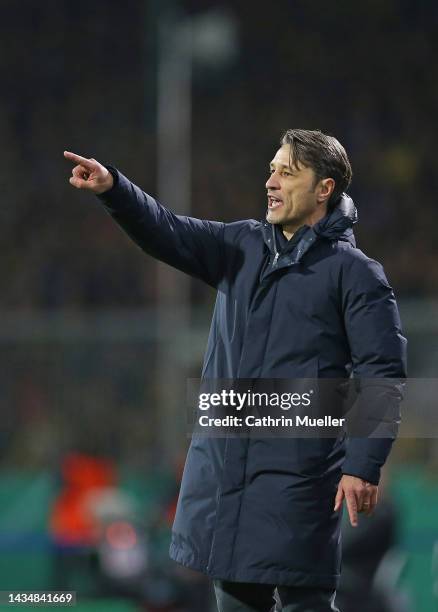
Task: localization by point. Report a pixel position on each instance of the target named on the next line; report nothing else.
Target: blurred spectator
(73, 523)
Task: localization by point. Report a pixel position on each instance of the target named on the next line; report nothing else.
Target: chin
(274, 219)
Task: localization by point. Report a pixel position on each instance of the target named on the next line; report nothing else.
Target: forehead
(283, 158)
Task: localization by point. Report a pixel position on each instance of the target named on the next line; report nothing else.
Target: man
(295, 299)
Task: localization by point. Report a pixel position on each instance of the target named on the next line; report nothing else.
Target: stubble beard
(283, 219)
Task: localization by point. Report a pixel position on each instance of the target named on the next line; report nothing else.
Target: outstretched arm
(191, 245)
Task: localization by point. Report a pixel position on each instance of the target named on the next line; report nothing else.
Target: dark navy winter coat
(261, 510)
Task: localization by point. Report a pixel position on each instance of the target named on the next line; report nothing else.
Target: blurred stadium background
(188, 98)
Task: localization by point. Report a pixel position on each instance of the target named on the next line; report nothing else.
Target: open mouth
(274, 202)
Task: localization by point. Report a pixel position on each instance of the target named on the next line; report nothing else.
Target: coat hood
(339, 223)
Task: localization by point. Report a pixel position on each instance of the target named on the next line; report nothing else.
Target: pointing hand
(89, 174)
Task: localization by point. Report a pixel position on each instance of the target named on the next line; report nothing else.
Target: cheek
(293, 201)
(300, 199)
(290, 199)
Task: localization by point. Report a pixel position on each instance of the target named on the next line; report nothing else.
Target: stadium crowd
(74, 85)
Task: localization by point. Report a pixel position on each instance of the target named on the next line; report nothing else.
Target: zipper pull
(274, 263)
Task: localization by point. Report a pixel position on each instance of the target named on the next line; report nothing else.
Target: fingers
(360, 496)
(367, 498)
(79, 177)
(81, 172)
(88, 164)
(364, 502)
(364, 498)
(77, 182)
(351, 501)
(371, 502)
(339, 498)
(352, 507)
(89, 174)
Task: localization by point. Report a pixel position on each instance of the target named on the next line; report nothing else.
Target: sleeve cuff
(365, 457)
(370, 473)
(110, 192)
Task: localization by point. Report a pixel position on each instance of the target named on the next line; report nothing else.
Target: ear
(326, 187)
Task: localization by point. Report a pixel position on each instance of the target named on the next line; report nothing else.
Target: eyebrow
(272, 164)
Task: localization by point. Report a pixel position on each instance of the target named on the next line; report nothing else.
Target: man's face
(295, 198)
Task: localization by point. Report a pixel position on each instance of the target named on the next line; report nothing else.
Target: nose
(272, 182)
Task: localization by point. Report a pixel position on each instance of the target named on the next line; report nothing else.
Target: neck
(288, 233)
(290, 228)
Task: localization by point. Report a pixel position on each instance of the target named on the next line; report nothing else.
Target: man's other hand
(360, 496)
(89, 174)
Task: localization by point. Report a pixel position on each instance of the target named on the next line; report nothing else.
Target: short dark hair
(324, 154)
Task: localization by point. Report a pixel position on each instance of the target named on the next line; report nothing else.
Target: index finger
(78, 159)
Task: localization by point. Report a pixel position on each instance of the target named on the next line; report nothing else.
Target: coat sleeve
(188, 244)
(378, 356)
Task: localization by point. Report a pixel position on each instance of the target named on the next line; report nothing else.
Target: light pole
(209, 39)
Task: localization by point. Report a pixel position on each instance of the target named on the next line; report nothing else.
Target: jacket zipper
(277, 254)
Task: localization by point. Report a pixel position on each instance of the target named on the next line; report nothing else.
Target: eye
(286, 173)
